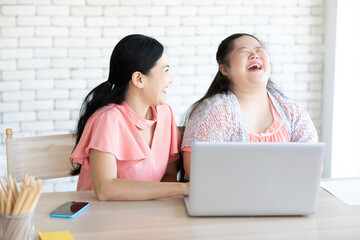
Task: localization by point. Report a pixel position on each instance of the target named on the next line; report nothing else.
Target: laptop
(254, 179)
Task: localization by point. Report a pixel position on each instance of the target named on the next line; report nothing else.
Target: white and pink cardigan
(219, 119)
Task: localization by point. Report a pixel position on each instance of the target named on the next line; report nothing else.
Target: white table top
(168, 219)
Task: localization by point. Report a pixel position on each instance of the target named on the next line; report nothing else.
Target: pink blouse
(276, 132)
(114, 129)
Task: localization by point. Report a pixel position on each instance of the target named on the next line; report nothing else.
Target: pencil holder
(18, 227)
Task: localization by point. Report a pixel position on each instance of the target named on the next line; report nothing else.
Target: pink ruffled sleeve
(107, 131)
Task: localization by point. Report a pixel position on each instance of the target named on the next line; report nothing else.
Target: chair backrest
(42, 156)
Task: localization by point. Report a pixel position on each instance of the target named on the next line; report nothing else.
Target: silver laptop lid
(255, 178)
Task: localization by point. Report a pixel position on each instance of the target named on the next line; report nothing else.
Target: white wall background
(52, 52)
(346, 115)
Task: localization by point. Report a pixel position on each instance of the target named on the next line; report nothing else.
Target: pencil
(15, 202)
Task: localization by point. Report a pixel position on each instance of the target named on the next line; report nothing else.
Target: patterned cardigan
(219, 119)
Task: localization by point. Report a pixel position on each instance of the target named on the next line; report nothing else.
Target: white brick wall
(52, 52)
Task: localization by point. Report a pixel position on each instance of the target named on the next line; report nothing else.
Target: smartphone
(69, 209)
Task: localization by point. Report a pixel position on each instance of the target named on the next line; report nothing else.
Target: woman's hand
(186, 189)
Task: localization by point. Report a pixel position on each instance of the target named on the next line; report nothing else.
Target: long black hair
(133, 53)
(221, 83)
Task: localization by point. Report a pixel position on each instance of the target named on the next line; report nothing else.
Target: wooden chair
(42, 156)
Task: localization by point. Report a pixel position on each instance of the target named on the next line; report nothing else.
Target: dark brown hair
(221, 83)
(133, 53)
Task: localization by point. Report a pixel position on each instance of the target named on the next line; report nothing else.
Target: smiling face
(157, 81)
(248, 64)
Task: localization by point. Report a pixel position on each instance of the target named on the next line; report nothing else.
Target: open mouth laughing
(254, 67)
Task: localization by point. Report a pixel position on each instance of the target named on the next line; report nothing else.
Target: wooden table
(168, 219)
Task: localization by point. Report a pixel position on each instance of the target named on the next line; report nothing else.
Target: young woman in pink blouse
(127, 141)
(242, 104)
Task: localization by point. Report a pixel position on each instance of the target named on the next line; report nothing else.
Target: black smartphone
(69, 209)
